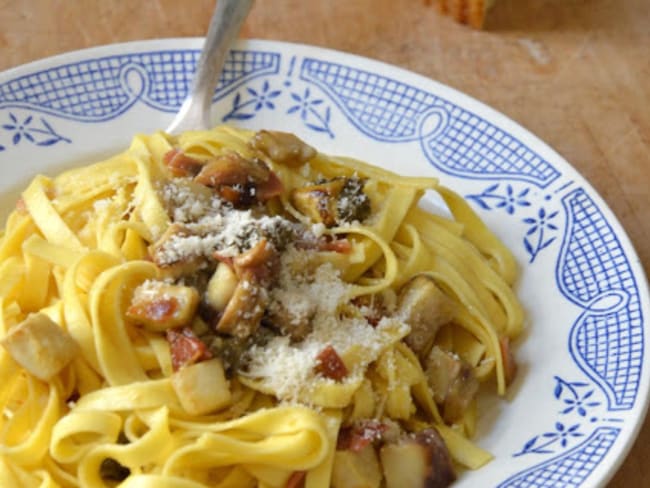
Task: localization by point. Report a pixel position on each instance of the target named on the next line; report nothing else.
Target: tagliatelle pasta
(228, 308)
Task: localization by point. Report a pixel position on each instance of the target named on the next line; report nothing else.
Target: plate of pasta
(358, 278)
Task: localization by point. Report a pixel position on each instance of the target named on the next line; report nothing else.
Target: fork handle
(225, 24)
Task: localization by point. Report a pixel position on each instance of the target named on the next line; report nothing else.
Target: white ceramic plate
(582, 391)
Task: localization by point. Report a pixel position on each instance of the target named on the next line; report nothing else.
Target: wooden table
(576, 73)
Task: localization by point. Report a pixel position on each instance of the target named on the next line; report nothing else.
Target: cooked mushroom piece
(238, 180)
(425, 307)
(422, 460)
(232, 169)
(40, 346)
(356, 469)
(332, 202)
(159, 306)
(221, 287)
(243, 314)
(255, 270)
(164, 254)
(180, 164)
(282, 147)
(453, 383)
(202, 387)
(259, 263)
(364, 432)
(318, 202)
(291, 314)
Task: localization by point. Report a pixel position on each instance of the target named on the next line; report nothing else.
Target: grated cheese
(209, 225)
(288, 369)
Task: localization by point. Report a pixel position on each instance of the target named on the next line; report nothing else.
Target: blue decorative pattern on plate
(581, 283)
(102, 88)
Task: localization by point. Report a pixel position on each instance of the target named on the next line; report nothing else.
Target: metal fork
(225, 24)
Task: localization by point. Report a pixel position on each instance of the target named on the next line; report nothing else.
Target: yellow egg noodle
(79, 246)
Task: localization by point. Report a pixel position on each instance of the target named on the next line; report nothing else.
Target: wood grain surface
(574, 72)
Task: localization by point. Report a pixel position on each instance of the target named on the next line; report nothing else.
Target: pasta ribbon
(228, 308)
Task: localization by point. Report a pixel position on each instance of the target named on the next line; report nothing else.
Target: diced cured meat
(180, 164)
(186, 348)
(330, 365)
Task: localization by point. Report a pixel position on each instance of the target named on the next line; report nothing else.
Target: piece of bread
(471, 12)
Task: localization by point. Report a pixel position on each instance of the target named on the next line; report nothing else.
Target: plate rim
(469, 102)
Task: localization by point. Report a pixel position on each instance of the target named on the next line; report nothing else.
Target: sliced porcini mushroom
(260, 262)
(202, 387)
(238, 180)
(221, 287)
(40, 346)
(171, 262)
(293, 322)
(453, 382)
(159, 306)
(420, 460)
(255, 270)
(244, 312)
(426, 308)
(282, 147)
(318, 202)
(332, 202)
(356, 469)
(364, 432)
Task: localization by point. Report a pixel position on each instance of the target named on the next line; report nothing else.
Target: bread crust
(470, 12)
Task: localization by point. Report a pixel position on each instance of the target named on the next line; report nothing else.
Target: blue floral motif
(256, 100)
(313, 113)
(577, 398)
(541, 444)
(536, 238)
(28, 129)
(573, 398)
(508, 201)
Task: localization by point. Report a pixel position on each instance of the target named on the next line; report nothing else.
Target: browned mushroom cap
(255, 269)
(260, 262)
(356, 469)
(318, 202)
(296, 325)
(426, 308)
(332, 202)
(453, 382)
(282, 147)
(422, 460)
(180, 164)
(244, 311)
(238, 180)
